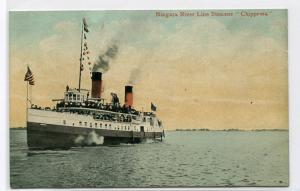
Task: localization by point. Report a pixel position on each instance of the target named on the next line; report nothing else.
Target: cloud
(199, 73)
(65, 26)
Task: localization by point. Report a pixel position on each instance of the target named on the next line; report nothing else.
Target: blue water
(183, 159)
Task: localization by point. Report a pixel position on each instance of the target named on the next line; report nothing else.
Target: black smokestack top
(96, 84)
(128, 96)
(128, 89)
(102, 64)
(96, 76)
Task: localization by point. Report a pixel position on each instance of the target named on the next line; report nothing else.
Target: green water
(183, 159)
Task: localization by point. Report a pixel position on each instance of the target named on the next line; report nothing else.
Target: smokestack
(128, 96)
(96, 84)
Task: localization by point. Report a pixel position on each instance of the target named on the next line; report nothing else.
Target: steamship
(84, 118)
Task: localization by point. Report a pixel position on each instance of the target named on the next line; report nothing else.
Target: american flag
(29, 76)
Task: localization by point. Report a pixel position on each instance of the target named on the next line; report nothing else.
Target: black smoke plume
(103, 60)
(134, 76)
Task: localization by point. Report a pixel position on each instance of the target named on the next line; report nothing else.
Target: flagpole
(80, 63)
(30, 81)
(27, 102)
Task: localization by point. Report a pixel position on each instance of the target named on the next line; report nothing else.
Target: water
(195, 158)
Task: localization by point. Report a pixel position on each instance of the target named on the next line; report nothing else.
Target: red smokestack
(96, 84)
(128, 96)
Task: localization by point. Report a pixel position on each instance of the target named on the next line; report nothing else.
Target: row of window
(74, 97)
(106, 126)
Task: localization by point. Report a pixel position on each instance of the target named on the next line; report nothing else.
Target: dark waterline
(183, 159)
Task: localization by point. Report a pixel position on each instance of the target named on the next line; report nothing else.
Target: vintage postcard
(166, 98)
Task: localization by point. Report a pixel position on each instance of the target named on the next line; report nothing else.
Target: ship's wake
(91, 139)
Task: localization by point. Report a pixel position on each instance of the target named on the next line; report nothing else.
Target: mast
(29, 81)
(80, 62)
(27, 102)
(84, 30)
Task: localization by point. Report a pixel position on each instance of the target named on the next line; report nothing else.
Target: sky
(215, 72)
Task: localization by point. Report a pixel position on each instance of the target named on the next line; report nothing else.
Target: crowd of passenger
(71, 107)
(103, 106)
